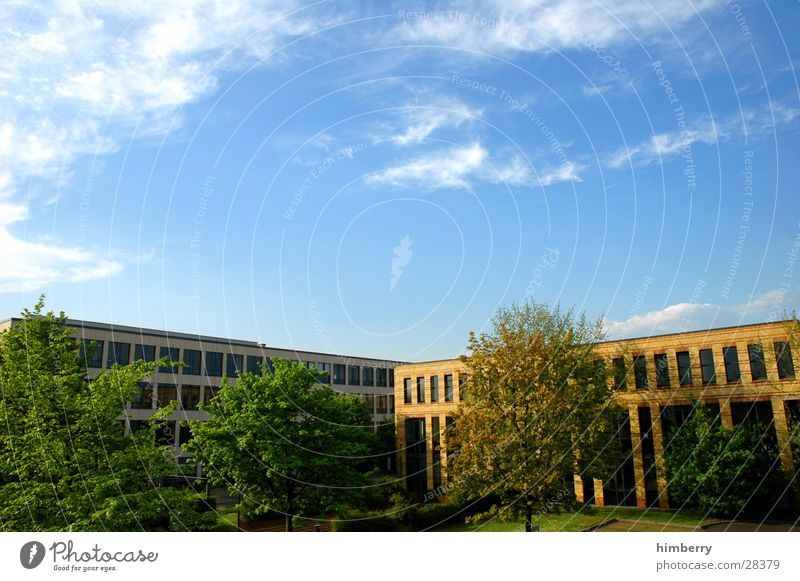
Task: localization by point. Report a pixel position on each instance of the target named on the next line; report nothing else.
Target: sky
(377, 178)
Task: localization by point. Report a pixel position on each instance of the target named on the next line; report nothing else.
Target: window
(118, 353)
(184, 433)
(369, 401)
(354, 375)
(172, 354)
(165, 434)
(684, 368)
(234, 364)
(254, 364)
(190, 396)
(338, 374)
(209, 393)
(407, 390)
(662, 369)
(462, 386)
(707, 371)
(783, 357)
(420, 390)
(391, 378)
(369, 375)
(758, 368)
(145, 353)
(143, 400)
(620, 373)
(600, 372)
(640, 372)
(191, 357)
(382, 404)
(449, 424)
(91, 352)
(167, 392)
(448, 388)
(434, 388)
(731, 357)
(213, 364)
(270, 366)
(391, 404)
(325, 368)
(380, 377)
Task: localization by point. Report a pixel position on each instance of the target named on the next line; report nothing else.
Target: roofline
(694, 332)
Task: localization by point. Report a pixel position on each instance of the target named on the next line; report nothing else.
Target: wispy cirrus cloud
(421, 121)
(79, 78)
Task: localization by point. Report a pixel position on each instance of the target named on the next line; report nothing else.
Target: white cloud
(664, 146)
(540, 25)
(449, 168)
(566, 172)
(697, 316)
(420, 122)
(78, 78)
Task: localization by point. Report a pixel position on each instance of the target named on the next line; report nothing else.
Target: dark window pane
(600, 373)
(254, 364)
(119, 353)
(190, 396)
(620, 374)
(369, 375)
(391, 378)
(209, 393)
(662, 370)
(167, 392)
(407, 392)
(783, 357)
(270, 366)
(338, 373)
(173, 354)
(325, 368)
(434, 388)
(684, 368)
(448, 388)
(184, 433)
(354, 375)
(707, 370)
(382, 404)
(640, 372)
(213, 364)
(380, 377)
(233, 364)
(145, 353)
(165, 434)
(391, 404)
(420, 389)
(731, 357)
(143, 400)
(758, 368)
(91, 352)
(462, 387)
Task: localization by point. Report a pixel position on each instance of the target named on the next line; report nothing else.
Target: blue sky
(376, 178)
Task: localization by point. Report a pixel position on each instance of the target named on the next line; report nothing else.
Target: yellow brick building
(746, 372)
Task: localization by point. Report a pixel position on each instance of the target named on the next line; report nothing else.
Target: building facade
(207, 360)
(746, 374)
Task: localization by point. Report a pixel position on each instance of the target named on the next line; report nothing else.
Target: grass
(226, 523)
(636, 519)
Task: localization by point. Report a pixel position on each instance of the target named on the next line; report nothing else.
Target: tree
(284, 445)
(65, 463)
(538, 411)
(723, 471)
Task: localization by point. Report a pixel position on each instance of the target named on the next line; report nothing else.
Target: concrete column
(725, 414)
(658, 444)
(401, 447)
(599, 499)
(577, 486)
(638, 461)
(782, 432)
(429, 452)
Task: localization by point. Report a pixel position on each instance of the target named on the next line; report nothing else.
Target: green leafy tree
(538, 410)
(65, 463)
(284, 445)
(725, 472)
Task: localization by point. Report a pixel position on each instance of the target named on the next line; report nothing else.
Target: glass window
(213, 364)
(391, 378)
(146, 353)
(783, 357)
(338, 374)
(254, 364)
(167, 392)
(391, 404)
(731, 357)
(369, 401)
(143, 400)
(420, 390)
(191, 357)
(684, 368)
(381, 403)
(758, 368)
(91, 353)
(172, 354)
(270, 366)
(190, 396)
(600, 372)
(184, 433)
(640, 372)
(662, 369)
(325, 368)
(620, 373)
(209, 393)
(462, 386)
(707, 370)
(448, 388)
(407, 391)
(354, 375)
(434, 388)
(119, 353)
(369, 374)
(380, 377)
(233, 364)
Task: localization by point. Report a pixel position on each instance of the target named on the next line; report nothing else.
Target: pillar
(658, 444)
(782, 432)
(638, 461)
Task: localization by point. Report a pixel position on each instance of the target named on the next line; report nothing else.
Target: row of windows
(433, 383)
(708, 372)
(118, 352)
(379, 404)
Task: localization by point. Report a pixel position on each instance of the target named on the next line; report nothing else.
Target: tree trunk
(528, 518)
(289, 506)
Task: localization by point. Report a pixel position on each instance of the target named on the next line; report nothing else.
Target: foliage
(726, 472)
(283, 445)
(65, 463)
(538, 410)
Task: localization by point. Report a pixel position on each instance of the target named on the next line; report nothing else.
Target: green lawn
(634, 518)
(226, 522)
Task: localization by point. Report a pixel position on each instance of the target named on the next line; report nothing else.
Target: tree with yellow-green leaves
(538, 410)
